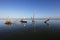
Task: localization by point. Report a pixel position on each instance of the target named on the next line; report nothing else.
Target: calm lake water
(35, 28)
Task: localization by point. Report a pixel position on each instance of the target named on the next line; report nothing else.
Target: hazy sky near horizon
(26, 8)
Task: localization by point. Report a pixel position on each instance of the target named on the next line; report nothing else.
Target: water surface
(37, 27)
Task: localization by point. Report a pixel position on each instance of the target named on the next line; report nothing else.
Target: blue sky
(26, 8)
